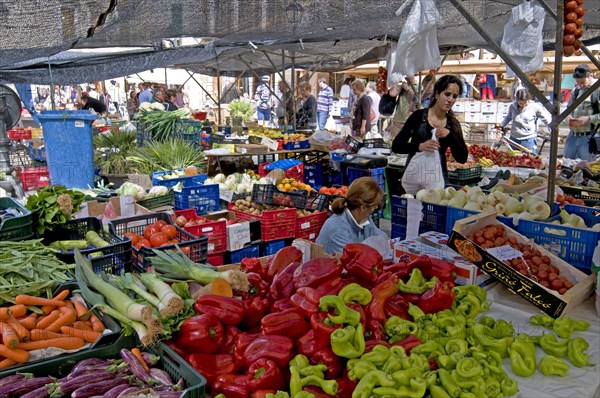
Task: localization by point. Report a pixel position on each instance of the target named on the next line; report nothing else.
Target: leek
(176, 265)
(169, 302)
(129, 281)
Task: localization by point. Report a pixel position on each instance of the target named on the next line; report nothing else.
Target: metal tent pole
(293, 81)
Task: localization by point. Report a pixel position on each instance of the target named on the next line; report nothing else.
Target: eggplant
(24, 385)
(83, 380)
(150, 359)
(42, 392)
(14, 378)
(97, 388)
(130, 390)
(89, 362)
(162, 376)
(115, 391)
(136, 367)
(179, 386)
(89, 369)
(170, 394)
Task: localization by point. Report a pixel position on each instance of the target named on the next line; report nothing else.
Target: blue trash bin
(69, 148)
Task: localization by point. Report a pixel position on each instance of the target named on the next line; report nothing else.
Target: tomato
(169, 230)
(150, 230)
(158, 239)
(135, 238)
(143, 242)
(160, 224)
(173, 241)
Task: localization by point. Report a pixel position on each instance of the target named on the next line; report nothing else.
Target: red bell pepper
(281, 260)
(282, 305)
(429, 267)
(277, 348)
(410, 297)
(254, 310)
(242, 341)
(408, 343)
(370, 344)
(230, 311)
(380, 294)
(263, 393)
(328, 358)
(316, 391)
(363, 316)
(289, 323)
(264, 374)
(229, 345)
(316, 271)
(253, 264)
(179, 350)
(307, 299)
(283, 283)
(201, 333)
(437, 299)
(306, 344)
(362, 261)
(257, 287)
(231, 385)
(345, 386)
(385, 275)
(397, 305)
(399, 269)
(323, 328)
(375, 330)
(332, 286)
(212, 365)
(433, 364)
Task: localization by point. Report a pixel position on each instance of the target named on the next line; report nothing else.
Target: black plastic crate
(267, 194)
(164, 200)
(196, 248)
(353, 144)
(374, 143)
(317, 201)
(466, 174)
(16, 228)
(110, 259)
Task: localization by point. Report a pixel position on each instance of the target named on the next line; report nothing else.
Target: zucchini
(95, 240)
(66, 245)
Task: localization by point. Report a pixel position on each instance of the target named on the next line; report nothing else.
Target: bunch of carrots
(35, 323)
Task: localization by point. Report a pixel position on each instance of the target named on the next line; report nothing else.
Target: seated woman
(351, 221)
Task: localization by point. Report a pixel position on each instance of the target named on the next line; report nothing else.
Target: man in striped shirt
(324, 103)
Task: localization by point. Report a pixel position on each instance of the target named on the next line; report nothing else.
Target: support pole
(166, 81)
(51, 86)
(219, 97)
(293, 81)
(200, 85)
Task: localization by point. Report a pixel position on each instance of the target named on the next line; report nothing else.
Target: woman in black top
(307, 114)
(416, 134)
(361, 110)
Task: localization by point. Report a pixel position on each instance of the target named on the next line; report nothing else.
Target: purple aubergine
(162, 376)
(179, 386)
(90, 369)
(130, 390)
(23, 386)
(136, 366)
(170, 394)
(14, 378)
(115, 391)
(90, 361)
(42, 392)
(97, 388)
(150, 359)
(83, 380)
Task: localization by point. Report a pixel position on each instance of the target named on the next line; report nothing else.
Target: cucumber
(95, 240)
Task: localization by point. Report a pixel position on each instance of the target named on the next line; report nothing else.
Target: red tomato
(150, 230)
(143, 242)
(158, 239)
(160, 224)
(170, 231)
(135, 238)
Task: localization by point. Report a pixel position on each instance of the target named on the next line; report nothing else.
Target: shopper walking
(584, 117)
(324, 103)
(399, 102)
(361, 111)
(306, 117)
(371, 91)
(146, 94)
(263, 96)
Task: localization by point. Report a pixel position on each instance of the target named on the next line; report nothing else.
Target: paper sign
(226, 195)
(238, 235)
(269, 143)
(79, 123)
(505, 252)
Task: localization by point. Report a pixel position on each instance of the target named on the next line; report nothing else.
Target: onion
(570, 28)
(571, 6)
(579, 22)
(180, 221)
(568, 40)
(568, 50)
(570, 17)
(577, 44)
(579, 53)
(580, 11)
(578, 33)
(580, 2)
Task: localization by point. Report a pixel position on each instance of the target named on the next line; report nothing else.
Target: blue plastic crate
(337, 178)
(237, 255)
(454, 214)
(296, 145)
(272, 247)
(377, 174)
(313, 174)
(190, 181)
(398, 231)
(590, 215)
(434, 216)
(203, 198)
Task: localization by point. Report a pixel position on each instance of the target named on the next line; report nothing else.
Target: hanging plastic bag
(423, 171)
(522, 38)
(417, 47)
(330, 124)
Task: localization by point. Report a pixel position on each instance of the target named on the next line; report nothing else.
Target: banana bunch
(485, 162)
(595, 166)
(513, 152)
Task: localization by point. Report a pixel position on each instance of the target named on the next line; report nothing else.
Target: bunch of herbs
(52, 206)
(170, 154)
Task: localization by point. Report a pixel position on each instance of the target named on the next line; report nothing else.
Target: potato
(238, 202)
(248, 198)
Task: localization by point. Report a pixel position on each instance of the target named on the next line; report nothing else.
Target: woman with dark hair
(416, 135)
(351, 221)
(361, 111)
(169, 102)
(524, 116)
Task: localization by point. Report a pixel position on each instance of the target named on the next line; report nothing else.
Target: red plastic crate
(35, 177)
(274, 224)
(19, 133)
(296, 172)
(308, 227)
(216, 231)
(215, 259)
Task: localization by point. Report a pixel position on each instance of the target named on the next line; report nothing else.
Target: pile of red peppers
(243, 346)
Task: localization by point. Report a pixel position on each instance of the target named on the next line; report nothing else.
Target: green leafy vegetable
(52, 206)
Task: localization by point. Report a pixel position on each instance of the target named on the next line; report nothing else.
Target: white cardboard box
(489, 106)
(487, 118)
(473, 106)
(503, 107)
(116, 207)
(459, 107)
(472, 117)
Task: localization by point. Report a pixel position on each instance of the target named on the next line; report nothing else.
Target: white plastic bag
(417, 47)
(330, 124)
(423, 171)
(522, 38)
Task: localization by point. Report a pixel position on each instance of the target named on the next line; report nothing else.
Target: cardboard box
(239, 233)
(548, 301)
(310, 250)
(472, 106)
(487, 118)
(500, 117)
(489, 106)
(503, 107)
(250, 148)
(459, 107)
(272, 145)
(472, 117)
(121, 206)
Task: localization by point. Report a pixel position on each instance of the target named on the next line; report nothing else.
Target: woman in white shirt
(524, 115)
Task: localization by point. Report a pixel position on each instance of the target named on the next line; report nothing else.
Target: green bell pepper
(295, 381)
(417, 284)
(396, 361)
(329, 387)
(427, 348)
(299, 361)
(397, 328)
(418, 361)
(415, 389)
(304, 394)
(522, 356)
(553, 366)
(575, 351)
(468, 394)
(563, 327)
(372, 380)
(551, 346)
(403, 377)
(581, 325)
(498, 328)
(379, 355)
(542, 320)
(448, 382)
(438, 392)
(509, 386)
(477, 291)
(469, 306)
(357, 370)
(489, 343)
(492, 387)
(343, 314)
(475, 386)
(430, 378)
(456, 345)
(278, 394)
(348, 342)
(415, 312)
(447, 362)
(355, 293)
(468, 368)
(304, 367)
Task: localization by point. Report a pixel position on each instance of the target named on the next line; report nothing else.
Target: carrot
(88, 336)
(30, 321)
(40, 334)
(68, 317)
(47, 320)
(97, 325)
(16, 354)
(19, 329)
(6, 363)
(138, 354)
(26, 299)
(9, 336)
(5, 312)
(221, 287)
(46, 309)
(82, 311)
(18, 310)
(69, 304)
(66, 343)
(83, 325)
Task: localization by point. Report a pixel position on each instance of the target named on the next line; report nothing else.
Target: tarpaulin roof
(329, 35)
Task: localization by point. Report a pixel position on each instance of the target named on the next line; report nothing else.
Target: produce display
(247, 206)
(157, 234)
(573, 27)
(488, 157)
(294, 137)
(162, 124)
(339, 191)
(563, 199)
(291, 184)
(239, 183)
(53, 205)
(260, 131)
(382, 76)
